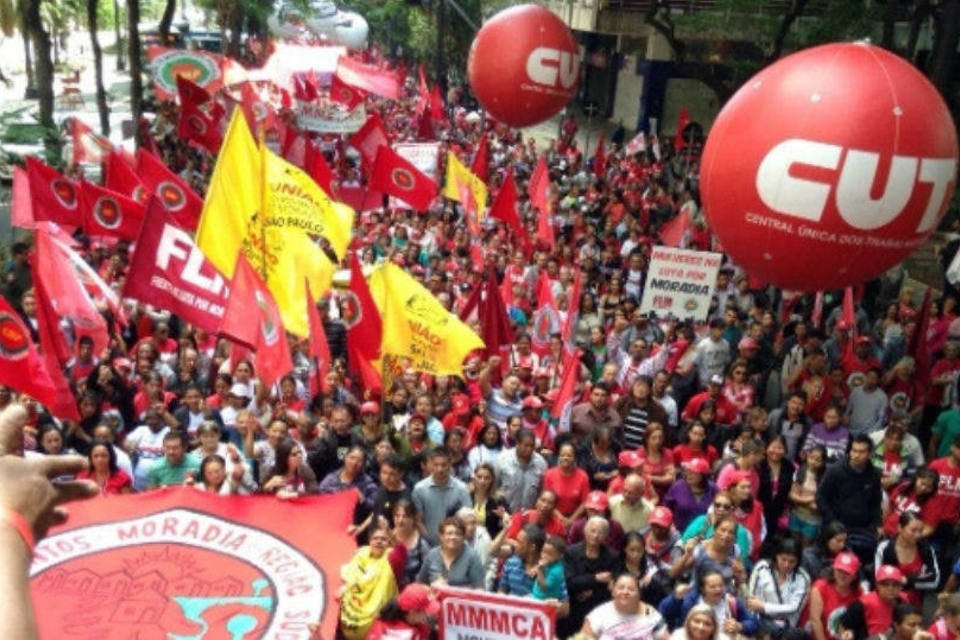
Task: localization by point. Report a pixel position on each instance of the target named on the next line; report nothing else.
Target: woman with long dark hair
(291, 476)
(778, 588)
(104, 471)
(776, 479)
(909, 552)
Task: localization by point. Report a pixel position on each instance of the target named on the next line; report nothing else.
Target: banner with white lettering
(182, 563)
(478, 615)
(330, 117)
(170, 272)
(680, 283)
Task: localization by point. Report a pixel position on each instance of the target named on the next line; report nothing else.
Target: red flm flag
(480, 163)
(436, 104)
(486, 301)
(54, 196)
(21, 206)
(316, 165)
(108, 213)
(672, 231)
(425, 130)
(563, 406)
(174, 194)
(193, 94)
(369, 138)
(396, 176)
(540, 200)
(294, 145)
(55, 353)
(87, 145)
(346, 95)
(505, 207)
(259, 113)
(304, 88)
(368, 78)
(546, 319)
(319, 348)
(600, 158)
(119, 176)
(253, 319)
(197, 127)
(679, 142)
(573, 308)
(22, 368)
(364, 327)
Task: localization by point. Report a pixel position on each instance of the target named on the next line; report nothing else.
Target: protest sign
(680, 283)
(477, 615)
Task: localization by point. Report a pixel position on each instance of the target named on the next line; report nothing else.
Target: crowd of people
(762, 473)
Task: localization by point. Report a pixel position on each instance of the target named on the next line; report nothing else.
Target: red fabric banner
(22, 368)
(185, 563)
(53, 196)
(170, 272)
(196, 126)
(396, 176)
(370, 137)
(174, 194)
(121, 177)
(108, 213)
(343, 93)
(368, 78)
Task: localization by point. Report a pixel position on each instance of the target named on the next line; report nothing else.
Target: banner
(207, 70)
(169, 271)
(330, 118)
(181, 563)
(680, 283)
(479, 615)
(382, 82)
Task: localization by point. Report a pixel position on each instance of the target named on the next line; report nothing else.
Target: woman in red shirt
(695, 446)
(570, 484)
(829, 597)
(657, 463)
(104, 471)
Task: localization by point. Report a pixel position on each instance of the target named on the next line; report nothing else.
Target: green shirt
(164, 474)
(946, 428)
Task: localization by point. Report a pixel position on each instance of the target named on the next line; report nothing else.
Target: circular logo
(176, 573)
(351, 312)
(65, 192)
(403, 178)
(267, 326)
(14, 340)
(344, 94)
(196, 124)
(691, 304)
(106, 211)
(195, 67)
(140, 194)
(171, 195)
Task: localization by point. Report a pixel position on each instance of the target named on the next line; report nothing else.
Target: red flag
(436, 104)
(260, 114)
(546, 319)
(316, 165)
(563, 406)
(425, 130)
(294, 145)
(253, 319)
(147, 141)
(422, 86)
(55, 352)
(539, 190)
(22, 368)
(573, 308)
(679, 142)
(108, 213)
(817, 317)
(917, 347)
(368, 78)
(486, 301)
(54, 196)
(346, 95)
(637, 144)
(600, 158)
(360, 199)
(505, 207)
(190, 92)
(197, 127)
(319, 348)
(481, 162)
(304, 89)
(364, 328)
(848, 316)
(174, 194)
(21, 206)
(119, 176)
(673, 230)
(396, 176)
(370, 137)
(87, 145)
(169, 271)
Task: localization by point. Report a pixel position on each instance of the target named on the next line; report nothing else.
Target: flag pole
(262, 138)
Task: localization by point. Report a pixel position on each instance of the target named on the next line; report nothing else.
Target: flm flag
(505, 208)
(109, 214)
(175, 195)
(344, 94)
(119, 176)
(368, 78)
(54, 197)
(22, 368)
(87, 145)
(396, 176)
(480, 163)
(417, 327)
(369, 138)
(55, 354)
(458, 173)
(364, 327)
(182, 563)
(252, 319)
(169, 271)
(563, 406)
(233, 220)
(196, 126)
(487, 305)
(539, 192)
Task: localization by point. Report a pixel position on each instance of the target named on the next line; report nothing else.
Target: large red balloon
(829, 167)
(524, 65)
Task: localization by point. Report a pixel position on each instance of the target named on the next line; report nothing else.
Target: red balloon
(829, 167)
(524, 65)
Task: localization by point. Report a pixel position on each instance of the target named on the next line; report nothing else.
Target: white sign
(680, 283)
(330, 118)
(478, 615)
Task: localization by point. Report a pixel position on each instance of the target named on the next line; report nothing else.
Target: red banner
(478, 614)
(169, 271)
(183, 563)
(368, 78)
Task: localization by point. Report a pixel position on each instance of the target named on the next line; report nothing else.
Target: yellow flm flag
(294, 201)
(232, 221)
(456, 172)
(416, 326)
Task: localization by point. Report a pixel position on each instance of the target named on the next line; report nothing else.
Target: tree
(98, 67)
(133, 53)
(166, 20)
(44, 63)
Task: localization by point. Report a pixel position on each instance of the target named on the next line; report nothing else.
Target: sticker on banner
(106, 212)
(65, 193)
(14, 341)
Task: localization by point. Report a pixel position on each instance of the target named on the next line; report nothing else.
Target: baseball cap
(889, 573)
(748, 343)
(628, 459)
(418, 597)
(864, 340)
(697, 465)
(847, 562)
(239, 390)
(532, 402)
(597, 500)
(460, 404)
(417, 416)
(370, 407)
(661, 516)
(716, 379)
(541, 372)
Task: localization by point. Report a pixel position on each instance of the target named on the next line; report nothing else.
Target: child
(551, 583)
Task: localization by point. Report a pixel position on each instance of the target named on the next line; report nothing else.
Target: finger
(52, 518)
(12, 421)
(75, 490)
(54, 466)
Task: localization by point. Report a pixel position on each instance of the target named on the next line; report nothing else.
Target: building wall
(626, 103)
(698, 98)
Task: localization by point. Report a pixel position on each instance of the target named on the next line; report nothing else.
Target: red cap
(864, 340)
(596, 500)
(460, 404)
(847, 562)
(697, 465)
(532, 402)
(418, 597)
(369, 407)
(661, 516)
(629, 459)
(736, 478)
(748, 343)
(541, 372)
(889, 573)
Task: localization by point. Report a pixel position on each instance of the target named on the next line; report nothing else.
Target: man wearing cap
(236, 399)
(867, 405)
(712, 354)
(413, 618)
(630, 508)
(595, 412)
(691, 495)
(597, 504)
(872, 613)
(829, 597)
(726, 413)
(861, 359)
(439, 495)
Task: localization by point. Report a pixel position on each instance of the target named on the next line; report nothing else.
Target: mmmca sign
(475, 615)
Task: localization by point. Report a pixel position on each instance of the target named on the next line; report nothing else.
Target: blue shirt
(514, 580)
(554, 579)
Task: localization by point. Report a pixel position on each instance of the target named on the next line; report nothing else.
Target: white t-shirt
(609, 624)
(149, 446)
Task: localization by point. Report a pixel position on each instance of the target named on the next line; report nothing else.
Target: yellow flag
(294, 201)
(416, 326)
(232, 222)
(458, 173)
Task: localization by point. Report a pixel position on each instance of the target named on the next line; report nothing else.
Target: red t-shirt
(554, 526)
(571, 490)
(683, 453)
(949, 491)
(114, 484)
